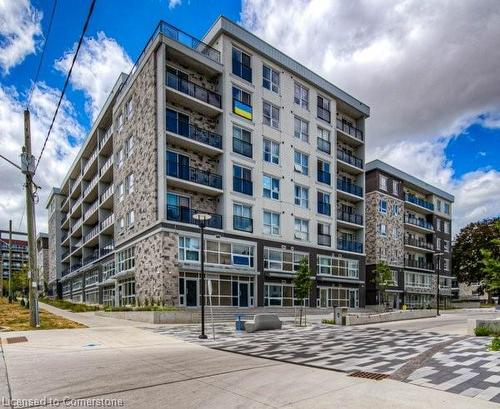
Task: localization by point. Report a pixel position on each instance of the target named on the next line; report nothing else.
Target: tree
(383, 279)
(491, 265)
(19, 281)
(467, 252)
(302, 283)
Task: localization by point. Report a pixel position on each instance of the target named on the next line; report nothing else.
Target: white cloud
(99, 63)
(57, 158)
(174, 3)
(20, 32)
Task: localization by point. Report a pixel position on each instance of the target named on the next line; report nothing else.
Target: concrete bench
(263, 322)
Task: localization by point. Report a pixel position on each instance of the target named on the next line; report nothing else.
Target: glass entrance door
(191, 293)
(353, 299)
(323, 298)
(243, 294)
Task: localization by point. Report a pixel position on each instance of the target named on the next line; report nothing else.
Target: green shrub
(70, 306)
(329, 322)
(482, 331)
(495, 344)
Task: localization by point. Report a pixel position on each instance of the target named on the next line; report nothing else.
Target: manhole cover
(15, 340)
(369, 375)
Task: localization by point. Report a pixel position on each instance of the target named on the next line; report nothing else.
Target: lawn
(70, 306)
(16, 318)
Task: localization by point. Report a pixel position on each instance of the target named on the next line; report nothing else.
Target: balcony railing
(91, 185)
(419, 202)
(107, 193)
(349, 187)
(65, 272)
(106, 136)
(324, 114)
(419, 264)
(107, 222)
(189, 41)
(108, 248)
(419, 222)
(75, 267)
(324, 239)
(64, 255)
(195, 175)
(324, 145)
(64, 235)
(418, 243)
(242, 185)
(242, 147)
(324, 177)
(90, 161)
(190, 131)
(106, 165)
(75, 205)
(92, 233)
(91, 209)
(76, 183)
(348, 245)
(90, 259)
(350, 217)
(243, 223)
(351, 159)
(350, 130)
(185, 215)
(324, 208)
(193, 90)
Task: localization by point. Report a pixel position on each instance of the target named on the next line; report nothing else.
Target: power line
(91, 9)
(40, 62)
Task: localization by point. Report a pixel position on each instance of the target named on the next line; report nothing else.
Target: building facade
(19, 251)
(409, 228)
(227, 126)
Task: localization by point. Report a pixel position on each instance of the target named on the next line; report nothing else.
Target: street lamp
(438, 255)
(202, 219)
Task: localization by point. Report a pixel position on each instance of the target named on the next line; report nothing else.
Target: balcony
(90, 259)
(189, 136)
(65, 272)
(350, 217)
(185, 215)
(419, 222)
(107, 223)
(420, 243)
(324, 208)
(90, 162)
(242, 147)
(75, 267)
(201, 99)
(324, 145)
(108, 248)
(349, 161)
(243, 223)
(92, 233)
(421, 203)
(106, 137)
(90, 186)
(324, 239)
(90, 211)
(106, 166)
(353, 134)
(324, 177)
(352, 246)
(324, 114)
(184, 176)
(349, 187)
(107, 197)
(419, 264)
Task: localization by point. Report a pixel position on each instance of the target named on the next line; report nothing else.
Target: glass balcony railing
(419, 202)
(324, 208)
(190, 131)
(324, 114)
(324, 177)
(350, 217)
(195, 175)
(242, 147)
(419, 222)
(348, 245)
(243, 186)
(185, 215)
(193, 90)
(418, 243)
(324, 239)
(351, 159)
(350, 130)
(419, 264)
(349, 187)
(242, 223)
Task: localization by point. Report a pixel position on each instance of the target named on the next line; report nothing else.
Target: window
(382, 206)
(301, 229)
(189, 249)
(340, 267)
(127, 292)
(125, 260)
(271, 187)
(242, 180)
(119, 158)
(394, 209)
(394, 232)
(324, 109)
(382, 183)
(242, 103)
(129, 145)
(447, 227)
(129, 108)
(271, 223)
(301, 129)
(324, 203)
(270, 79)
(324, 144)
(438, 205)
(438, 224)
(129, 180)
(119, 123)
(121, 224)
(282, 295)
(302, 196)
(447, 208)
(242, 141)
(271, 152)
(301, 95)
(301, 162)
(225, 253)
(271, 115)
(242, 65)
(446, 265)
(283, 260)
(438, 243)
(242, 217)
(130, 218)
(121, 192)
(446, 245)
(395, 187)
(382, 229)
(324, 234)
(324, 172)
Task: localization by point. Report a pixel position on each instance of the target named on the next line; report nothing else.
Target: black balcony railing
(324, 177)
(419, 264)
(324, 208)
(185, 215)
(419, 222)
(90, 259)
(351, 159)
(324, 114)
(242, 186)
(190, 131)
(65, 272)
(242, 147)
(324, 145)
(189, 41)
(201, 177)
(348, 245)
(349, 217)
(193, 90)
(108, 248)
(419, 243)
(324, 239)
(350, 130)
(242, 223)
(76, 266)
(419, 202)
(349, 187)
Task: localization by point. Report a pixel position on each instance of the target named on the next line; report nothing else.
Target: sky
(428, 69)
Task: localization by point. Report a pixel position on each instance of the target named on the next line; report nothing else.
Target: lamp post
(438, 255)
(202, 219)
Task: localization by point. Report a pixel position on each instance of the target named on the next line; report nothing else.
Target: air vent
(369, 375)
(15, 340)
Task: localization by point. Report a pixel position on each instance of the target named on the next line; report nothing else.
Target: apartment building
(227, 126)
(408, 227)
(19, 252)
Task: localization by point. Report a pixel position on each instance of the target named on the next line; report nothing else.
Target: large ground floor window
(108, 296)
(329, 297)
(126, 292)
(419, 300)
(92, 296)
(281, 295)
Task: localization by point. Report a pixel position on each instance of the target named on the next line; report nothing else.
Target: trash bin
(337, 316)
(240, 325)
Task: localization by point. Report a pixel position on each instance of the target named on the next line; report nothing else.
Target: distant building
(19, 252)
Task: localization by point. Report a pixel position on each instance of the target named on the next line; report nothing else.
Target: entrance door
(353, 299)
(323, 297)
(243, 295)
(191, 293)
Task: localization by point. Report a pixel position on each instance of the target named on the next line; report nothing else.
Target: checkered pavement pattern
(465, 367)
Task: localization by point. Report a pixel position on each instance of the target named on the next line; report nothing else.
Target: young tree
(491, 265)
(302, 283)
(19, 281)
(383, 279)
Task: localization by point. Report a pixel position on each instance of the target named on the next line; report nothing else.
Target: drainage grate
(15, 340)
(370, 375)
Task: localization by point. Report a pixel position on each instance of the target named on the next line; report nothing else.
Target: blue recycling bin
(240, 325)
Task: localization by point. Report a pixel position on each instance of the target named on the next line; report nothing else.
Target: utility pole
(10, 260)
(28, 168)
